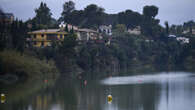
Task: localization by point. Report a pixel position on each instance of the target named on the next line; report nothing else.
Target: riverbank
(23, 74)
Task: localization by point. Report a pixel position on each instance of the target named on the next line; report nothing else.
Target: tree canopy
(150, 11)
(43, 14)
(68, 8)
(129, 18)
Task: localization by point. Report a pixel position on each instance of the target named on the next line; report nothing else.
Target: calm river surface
(157, 91)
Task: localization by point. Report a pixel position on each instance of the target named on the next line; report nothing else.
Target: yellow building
(45, 37)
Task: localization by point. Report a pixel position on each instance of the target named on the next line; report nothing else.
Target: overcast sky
(173, 11)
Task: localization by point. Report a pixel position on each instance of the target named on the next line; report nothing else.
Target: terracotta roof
(46, 31)
(87, 30)
(105, 27)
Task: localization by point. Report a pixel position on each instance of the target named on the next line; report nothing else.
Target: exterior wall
(41, 39)
(106, 29)
(60, 36)
(135, 31)
(85, 36)
(183, 40)
(78, 36)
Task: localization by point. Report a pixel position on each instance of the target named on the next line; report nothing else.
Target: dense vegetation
(152, 50)
(23, 67)
(16, 62)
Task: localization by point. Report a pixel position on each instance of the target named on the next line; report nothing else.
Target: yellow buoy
(109, 98)
(3, 98)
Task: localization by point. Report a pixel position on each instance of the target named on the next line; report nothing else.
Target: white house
(187, 31)
(135, 31)
(87, 34)
(106, 29)
(63, 26)
(172, 36)
(183, 40)
(83, 34)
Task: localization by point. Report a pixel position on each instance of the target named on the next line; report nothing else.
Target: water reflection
(155, 92)
(141, 79)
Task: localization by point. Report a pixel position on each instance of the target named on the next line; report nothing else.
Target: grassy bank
(25, 66)
(21, 75)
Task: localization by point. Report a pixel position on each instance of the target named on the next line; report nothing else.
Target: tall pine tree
(43, 16)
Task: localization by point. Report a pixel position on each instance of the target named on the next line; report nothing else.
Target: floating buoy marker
(46, 81)
(2, 98)
(85, 82)
(109, 98)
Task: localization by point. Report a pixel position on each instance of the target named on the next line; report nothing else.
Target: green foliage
(68, 45)
(68, 8)
(13, 35)
(94, 15)
(150, 11)
(66, 28)
(25, 66)
(129, 18)
(18, 33)
(189, 63)
(167, 27)
(150, 26)
(43, 18)
(119, 29)
(43, 14)
(91, 16)
(3, 35)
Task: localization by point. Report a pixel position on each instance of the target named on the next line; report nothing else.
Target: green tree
(167, 27)
(43, 16)
(66, 28)
(18, 34)
(129, 18)
(68, 8)
(68, 45)
(120, 28)
(150, 11)
(3, 29)
(150, 25)
(94, 16)
(79, 15)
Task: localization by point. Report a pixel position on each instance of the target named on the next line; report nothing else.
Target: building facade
(106, 29)
(183, 40)
(135, 31)
(87, 34)
(45, 37)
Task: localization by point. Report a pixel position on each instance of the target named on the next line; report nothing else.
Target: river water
(156, 91)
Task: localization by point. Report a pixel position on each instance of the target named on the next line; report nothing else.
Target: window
(35, 36)
(42, 44)
(61, 36)
(42, 35)
(52, 37)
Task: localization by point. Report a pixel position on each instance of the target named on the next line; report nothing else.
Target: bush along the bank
(16, 67)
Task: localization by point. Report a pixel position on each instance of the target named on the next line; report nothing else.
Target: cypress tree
(66, 28)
